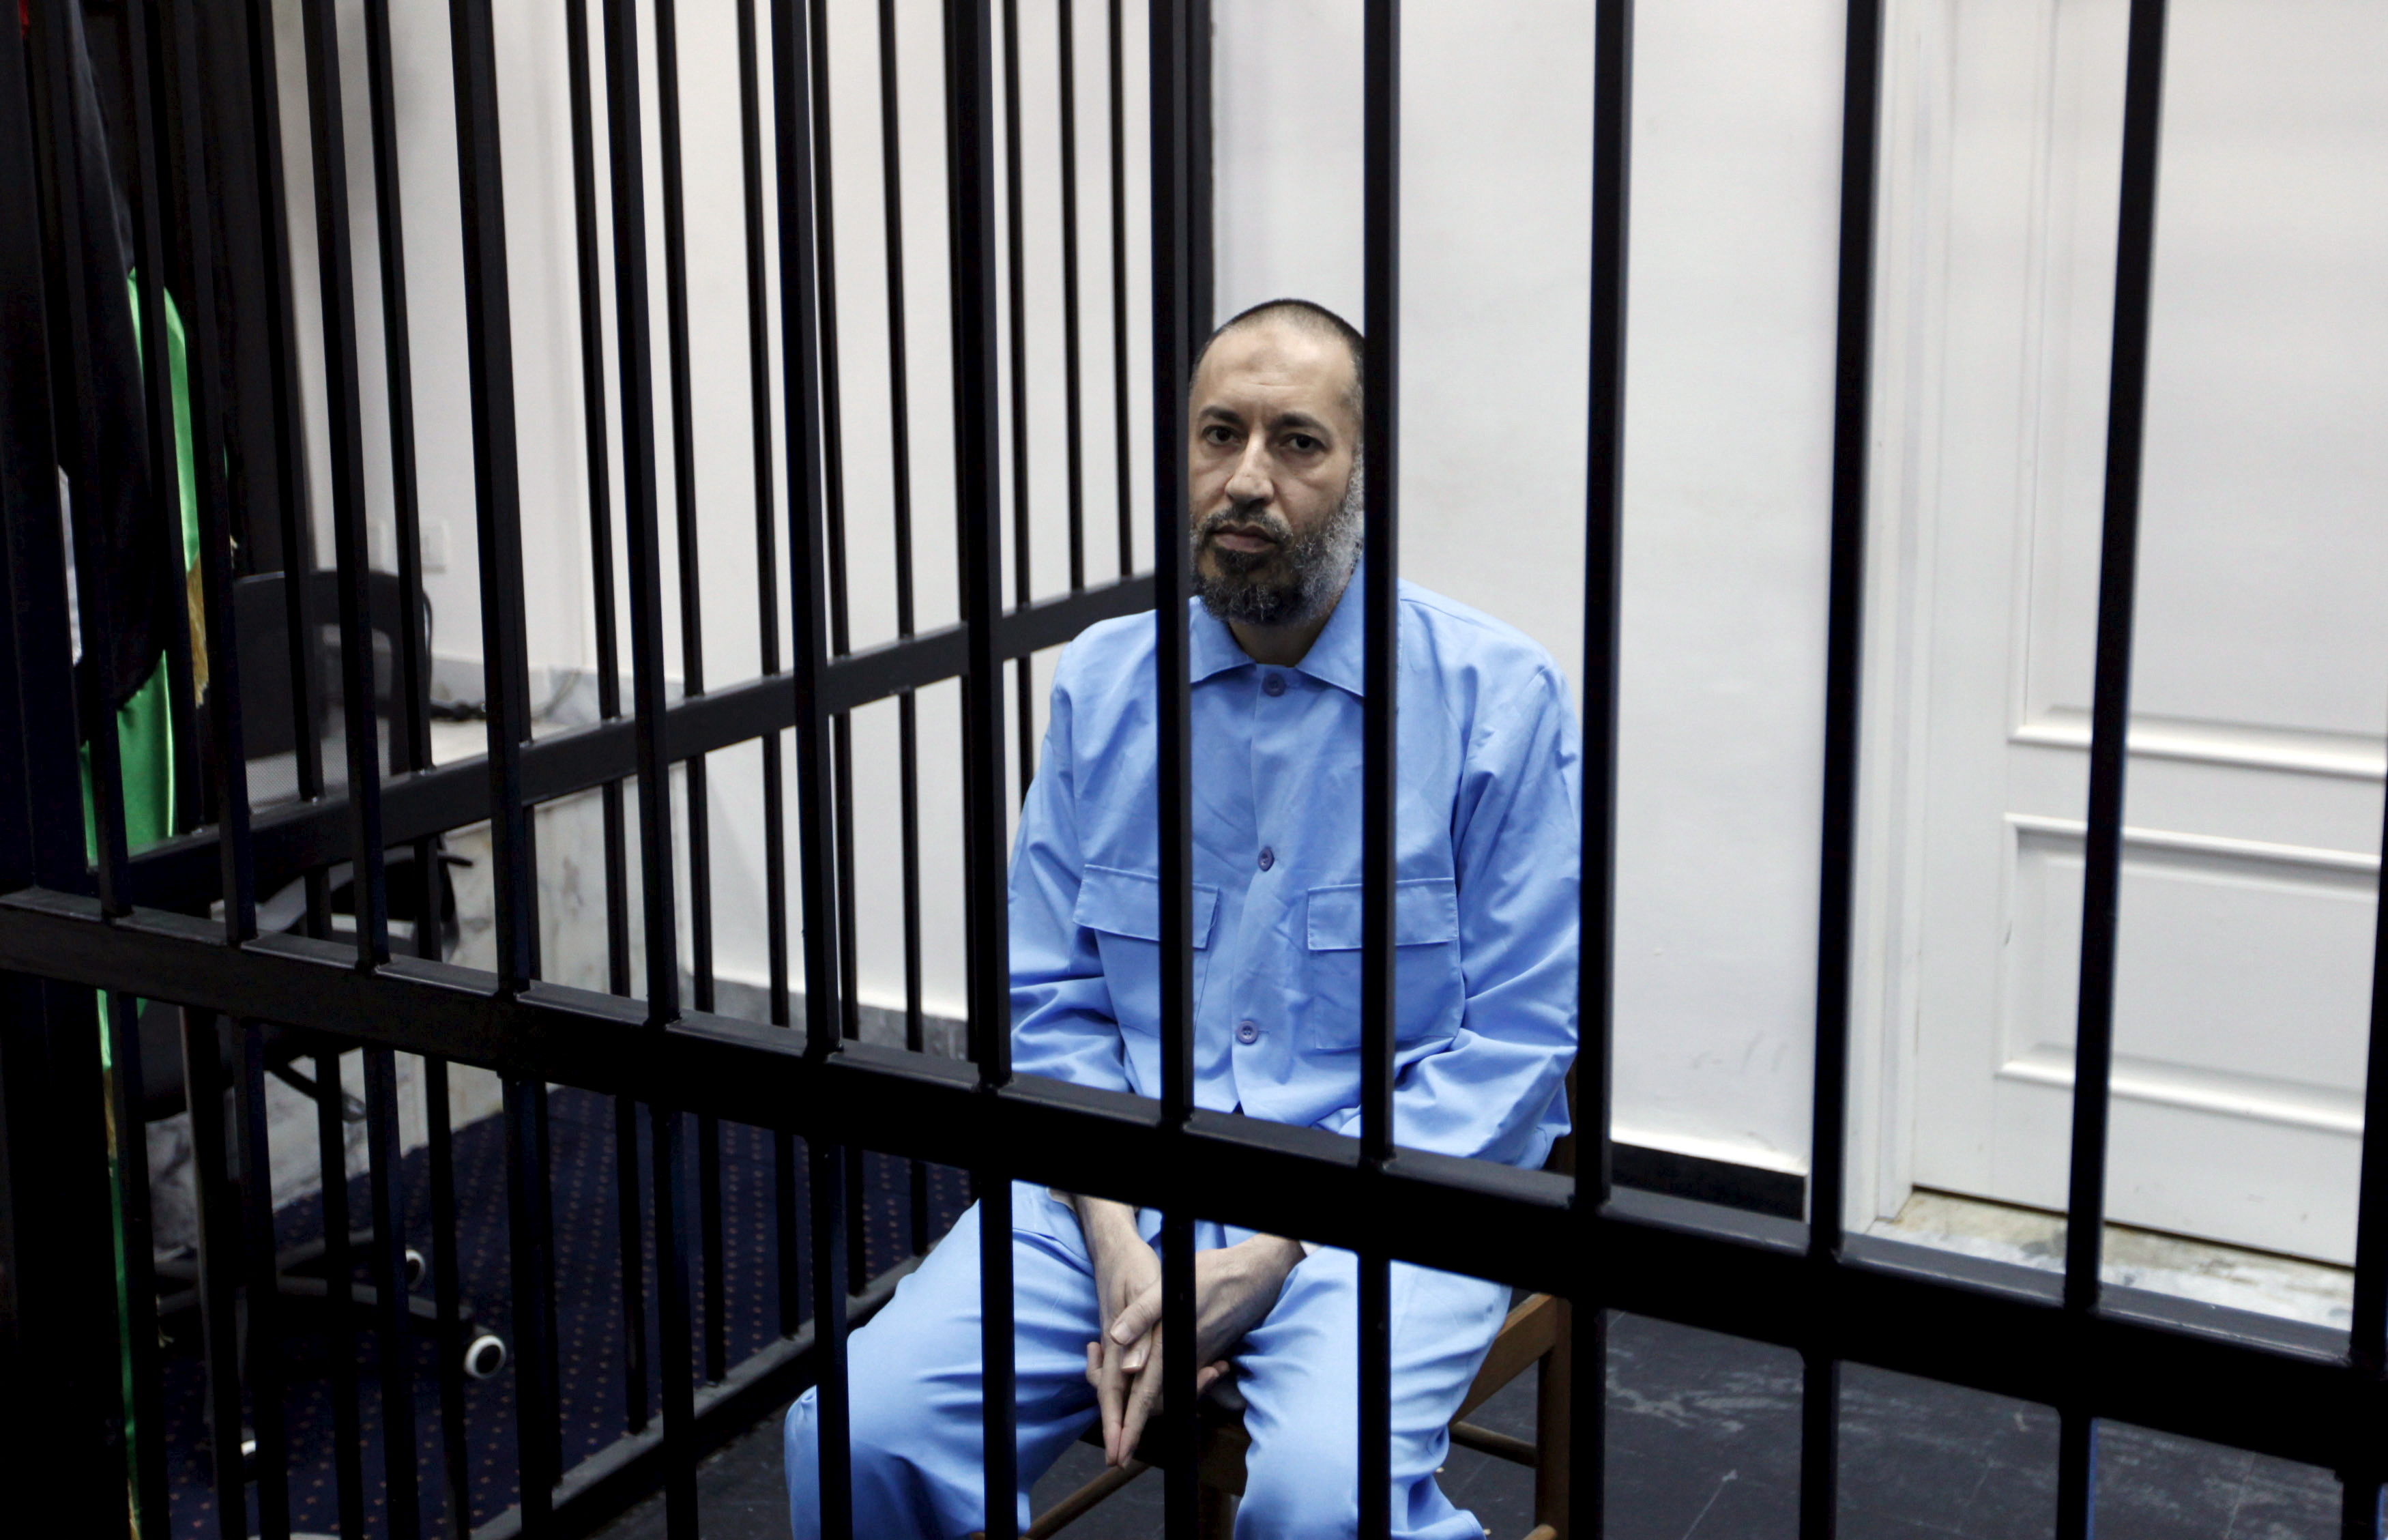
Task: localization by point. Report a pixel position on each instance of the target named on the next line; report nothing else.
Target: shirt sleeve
(1494, 1091)
(1063, 1023)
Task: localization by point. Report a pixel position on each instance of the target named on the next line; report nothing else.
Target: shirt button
(1273, 685)
(1247, 1033)
(1268, 857)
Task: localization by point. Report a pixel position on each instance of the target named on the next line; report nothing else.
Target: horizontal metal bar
(627, 1470)
(2233, 1376)
(184, 872)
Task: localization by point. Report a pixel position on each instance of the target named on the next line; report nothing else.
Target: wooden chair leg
(1554, 1414)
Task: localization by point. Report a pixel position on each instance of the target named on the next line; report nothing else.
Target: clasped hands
(1234, 1287)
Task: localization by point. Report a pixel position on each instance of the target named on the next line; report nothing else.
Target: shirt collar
(1339, 658)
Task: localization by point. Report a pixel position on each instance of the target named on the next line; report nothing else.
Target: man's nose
(1249, 483)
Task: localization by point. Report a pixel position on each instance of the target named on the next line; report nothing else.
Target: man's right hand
(1125, 1268)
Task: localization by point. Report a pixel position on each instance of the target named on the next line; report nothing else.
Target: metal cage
(177, 922)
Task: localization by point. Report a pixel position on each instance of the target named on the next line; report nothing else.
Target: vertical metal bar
(1016, 294)
(800, 275)
(173, 70)
(1852, 393)
(691, 647)
(1123, 463)
(841, 726)
(899, 413)
(81, 436)
(1173, 352)
(766, 599)
(339, 1315)
(1071, 369)
(296, 530)
(970, 158)
(2358, 1517)
(674, 1370)
(506, 676)
(146, 193)
(128, 1160)
(1612, 178)
(368, 886)
(2110, 705)
(262, 1361)
(496, 477)
(345, 427)
(219, 1267)
(446, 1292)
(630, 1247)
(2076, 1474)
(1380, 782)
(533, 1412)
(1197, 108)
(1820, 1446)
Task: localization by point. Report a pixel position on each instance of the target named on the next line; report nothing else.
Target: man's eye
(1302, 443)
(1216, 434)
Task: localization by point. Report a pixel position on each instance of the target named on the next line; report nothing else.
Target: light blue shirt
(1485, 906)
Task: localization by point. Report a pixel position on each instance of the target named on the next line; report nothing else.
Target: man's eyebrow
(1301, 420)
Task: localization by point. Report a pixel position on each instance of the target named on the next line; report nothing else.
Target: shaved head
(1317, 321)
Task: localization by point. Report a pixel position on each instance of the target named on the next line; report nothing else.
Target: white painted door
(2261, 681)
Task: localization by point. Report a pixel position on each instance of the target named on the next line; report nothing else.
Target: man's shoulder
(1118, 651)
(1461, 637)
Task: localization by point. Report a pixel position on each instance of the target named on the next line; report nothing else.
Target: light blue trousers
(915, 1388)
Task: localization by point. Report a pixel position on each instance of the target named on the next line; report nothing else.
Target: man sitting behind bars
(1485, 922)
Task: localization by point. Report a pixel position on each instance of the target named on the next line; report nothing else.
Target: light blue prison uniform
(1485, 918)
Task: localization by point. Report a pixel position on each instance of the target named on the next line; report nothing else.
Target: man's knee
(1301, 1487)
(883, 1455)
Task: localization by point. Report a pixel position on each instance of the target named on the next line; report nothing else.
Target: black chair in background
(417, 899)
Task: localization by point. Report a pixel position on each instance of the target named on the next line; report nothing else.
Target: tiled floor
(1703, 1445)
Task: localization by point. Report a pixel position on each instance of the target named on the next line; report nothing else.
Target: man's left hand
(1235, 1288)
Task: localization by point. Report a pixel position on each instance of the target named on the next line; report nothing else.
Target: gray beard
(1245, 590)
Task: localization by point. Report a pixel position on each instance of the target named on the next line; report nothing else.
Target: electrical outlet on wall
(435, 545)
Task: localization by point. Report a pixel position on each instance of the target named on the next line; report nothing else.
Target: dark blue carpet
(595, 1404)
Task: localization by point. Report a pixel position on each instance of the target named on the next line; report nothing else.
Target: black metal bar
(970, 159)
(395, 1328)
(1593, 1076)
(2076, 1474)
(344, 411)
(1199, 264)
(1379, 772)
(1173, 352)
(1852, 395)
(339, 1311)
(1820, 1446)
(1121, 430)
(262, 1361)
(80, 241)
(496, 481)
(628, 1226)
(802, 264)
(456, 1444)
(127, 1159)
(1016, 297)
(219, 1267)
(908, 749)
(533, 1412)
(2359, 1515)
(2110, 703)
(1071, 366)
(841, 726)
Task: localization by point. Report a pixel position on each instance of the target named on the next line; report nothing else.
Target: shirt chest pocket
(1427, 991)
(1123, 910)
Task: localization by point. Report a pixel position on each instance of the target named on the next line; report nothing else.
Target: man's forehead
(1271, 368)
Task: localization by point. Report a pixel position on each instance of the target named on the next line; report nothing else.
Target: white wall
(1727, 461)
